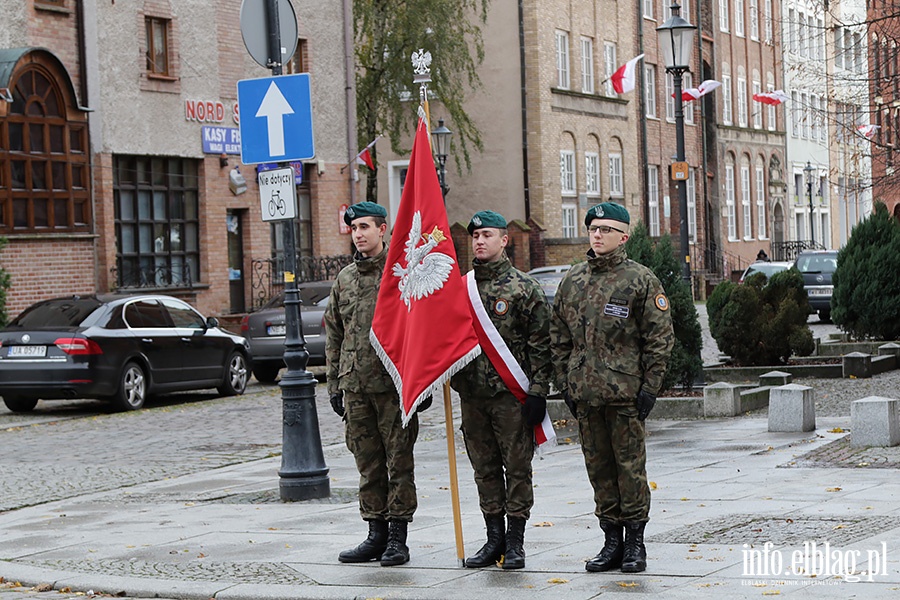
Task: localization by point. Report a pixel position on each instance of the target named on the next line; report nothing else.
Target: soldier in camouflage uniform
(611, 337)
(363, 394)
(497, 427)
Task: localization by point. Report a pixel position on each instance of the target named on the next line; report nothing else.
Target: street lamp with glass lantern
(809, 171)
(676, 40)
(440, 143)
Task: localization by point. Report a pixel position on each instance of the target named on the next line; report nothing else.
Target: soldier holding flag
(511, 317)
(363, 394)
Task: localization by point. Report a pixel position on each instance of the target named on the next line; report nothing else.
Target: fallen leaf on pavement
(652, 485)
(557, 580)
(627, 584)
(42, 587)
(833, 489)
(544, 524)
(836, 430)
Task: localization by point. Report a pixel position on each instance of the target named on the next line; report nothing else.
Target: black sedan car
(265, 329)
(817, 268)
(116, 348)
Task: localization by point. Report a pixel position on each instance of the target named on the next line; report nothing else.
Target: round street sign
(254, 30)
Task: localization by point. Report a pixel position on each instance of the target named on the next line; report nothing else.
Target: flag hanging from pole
(624, 78)
(422, 329)
(867, 131)
(699, 91)
(365, 157)
(774, 98)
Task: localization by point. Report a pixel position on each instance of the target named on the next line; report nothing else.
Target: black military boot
(514, 558)
(610, 556)
(491, 552)
(397, 552)
(635, 558)
(372, 547)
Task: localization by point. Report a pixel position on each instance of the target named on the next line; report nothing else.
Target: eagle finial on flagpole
(421, 62)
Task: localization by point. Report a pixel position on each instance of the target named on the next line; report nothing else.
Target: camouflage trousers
(612, 439)
(383, 450)
(500, 447)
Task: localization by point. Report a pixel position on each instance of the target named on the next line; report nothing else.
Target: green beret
(363, 209)
(607, 210)
(486, 218)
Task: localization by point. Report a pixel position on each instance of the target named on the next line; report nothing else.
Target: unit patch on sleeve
(617, 307)
(501, 306)
(662, 303)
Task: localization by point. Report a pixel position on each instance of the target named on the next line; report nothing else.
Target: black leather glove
(534, 409)
(337, 403)
(645, 401)
(570, 402)
(424, 405)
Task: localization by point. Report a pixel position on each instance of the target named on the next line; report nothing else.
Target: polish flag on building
(422, 329)
(867, 131)
(624, 78)
(774, 98)
(699, 91)
(365, 157)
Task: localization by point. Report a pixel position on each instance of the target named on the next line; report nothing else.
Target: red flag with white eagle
(625, 77)
(422, 329)
(774, 98)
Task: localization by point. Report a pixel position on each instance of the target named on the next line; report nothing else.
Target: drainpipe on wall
(350, 93)
(525, 177)
(645, 204)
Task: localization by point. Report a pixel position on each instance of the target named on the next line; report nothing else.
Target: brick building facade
(117, 188)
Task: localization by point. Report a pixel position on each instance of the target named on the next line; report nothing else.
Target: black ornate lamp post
(440, 143)
(676, 40)
(809, 171)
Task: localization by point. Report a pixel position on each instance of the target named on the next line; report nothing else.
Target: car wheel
(236, 375)
(18, 404)
(825, 316)
(266, 372)
(132, 388)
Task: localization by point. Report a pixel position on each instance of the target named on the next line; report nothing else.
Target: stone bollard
(875, 421)
(721, 400)
(792, 407)
(857, 365)
(775, 378)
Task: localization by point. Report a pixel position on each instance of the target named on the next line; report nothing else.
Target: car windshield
(61, 312)
(549, 282)
(309, 296)
(768, 268)
(817, 263)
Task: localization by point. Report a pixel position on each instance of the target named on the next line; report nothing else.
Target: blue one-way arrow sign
(276, 119)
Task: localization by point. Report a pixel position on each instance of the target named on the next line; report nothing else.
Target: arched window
(44, 174)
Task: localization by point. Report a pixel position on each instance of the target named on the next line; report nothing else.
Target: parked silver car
(265, 329)
(549, 278)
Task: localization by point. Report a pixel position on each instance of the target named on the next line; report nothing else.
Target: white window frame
(792, 31)
(745, 201)
(563, 80)
(795, 115)
(814, 118)
(742, 101)
(812, 38)
(727, 115)
(692, 205)
(609, 59)
(653, 225)
(569, 219)
(647, 9)
(802, 35)
(823, 128)
(685, 10)
(567, 182)
(729, 202)
(395, 185)
(650, 91)
(687, 81)
(670, 97)
(739, 18)
(767, 20)
(807, 115)
(616, 187)
(838, 47)
(592, 173)
(754, 20)
(758, 108)
(761, 221)
(587, 65)
(723, 16)
(770, 109)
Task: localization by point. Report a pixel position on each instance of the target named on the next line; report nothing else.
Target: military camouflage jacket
(350, 360)
(519, 310)
(611, 330)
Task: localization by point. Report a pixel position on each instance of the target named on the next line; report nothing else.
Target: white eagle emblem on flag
(425, 271)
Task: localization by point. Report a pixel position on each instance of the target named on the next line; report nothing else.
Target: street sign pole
(303, 474)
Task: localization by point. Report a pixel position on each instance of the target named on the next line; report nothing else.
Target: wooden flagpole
(454, 485)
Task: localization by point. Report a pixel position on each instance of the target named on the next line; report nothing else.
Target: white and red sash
(493, 345)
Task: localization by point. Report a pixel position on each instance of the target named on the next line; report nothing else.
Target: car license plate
(27, 351)
(819, 292)
(275, 330)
